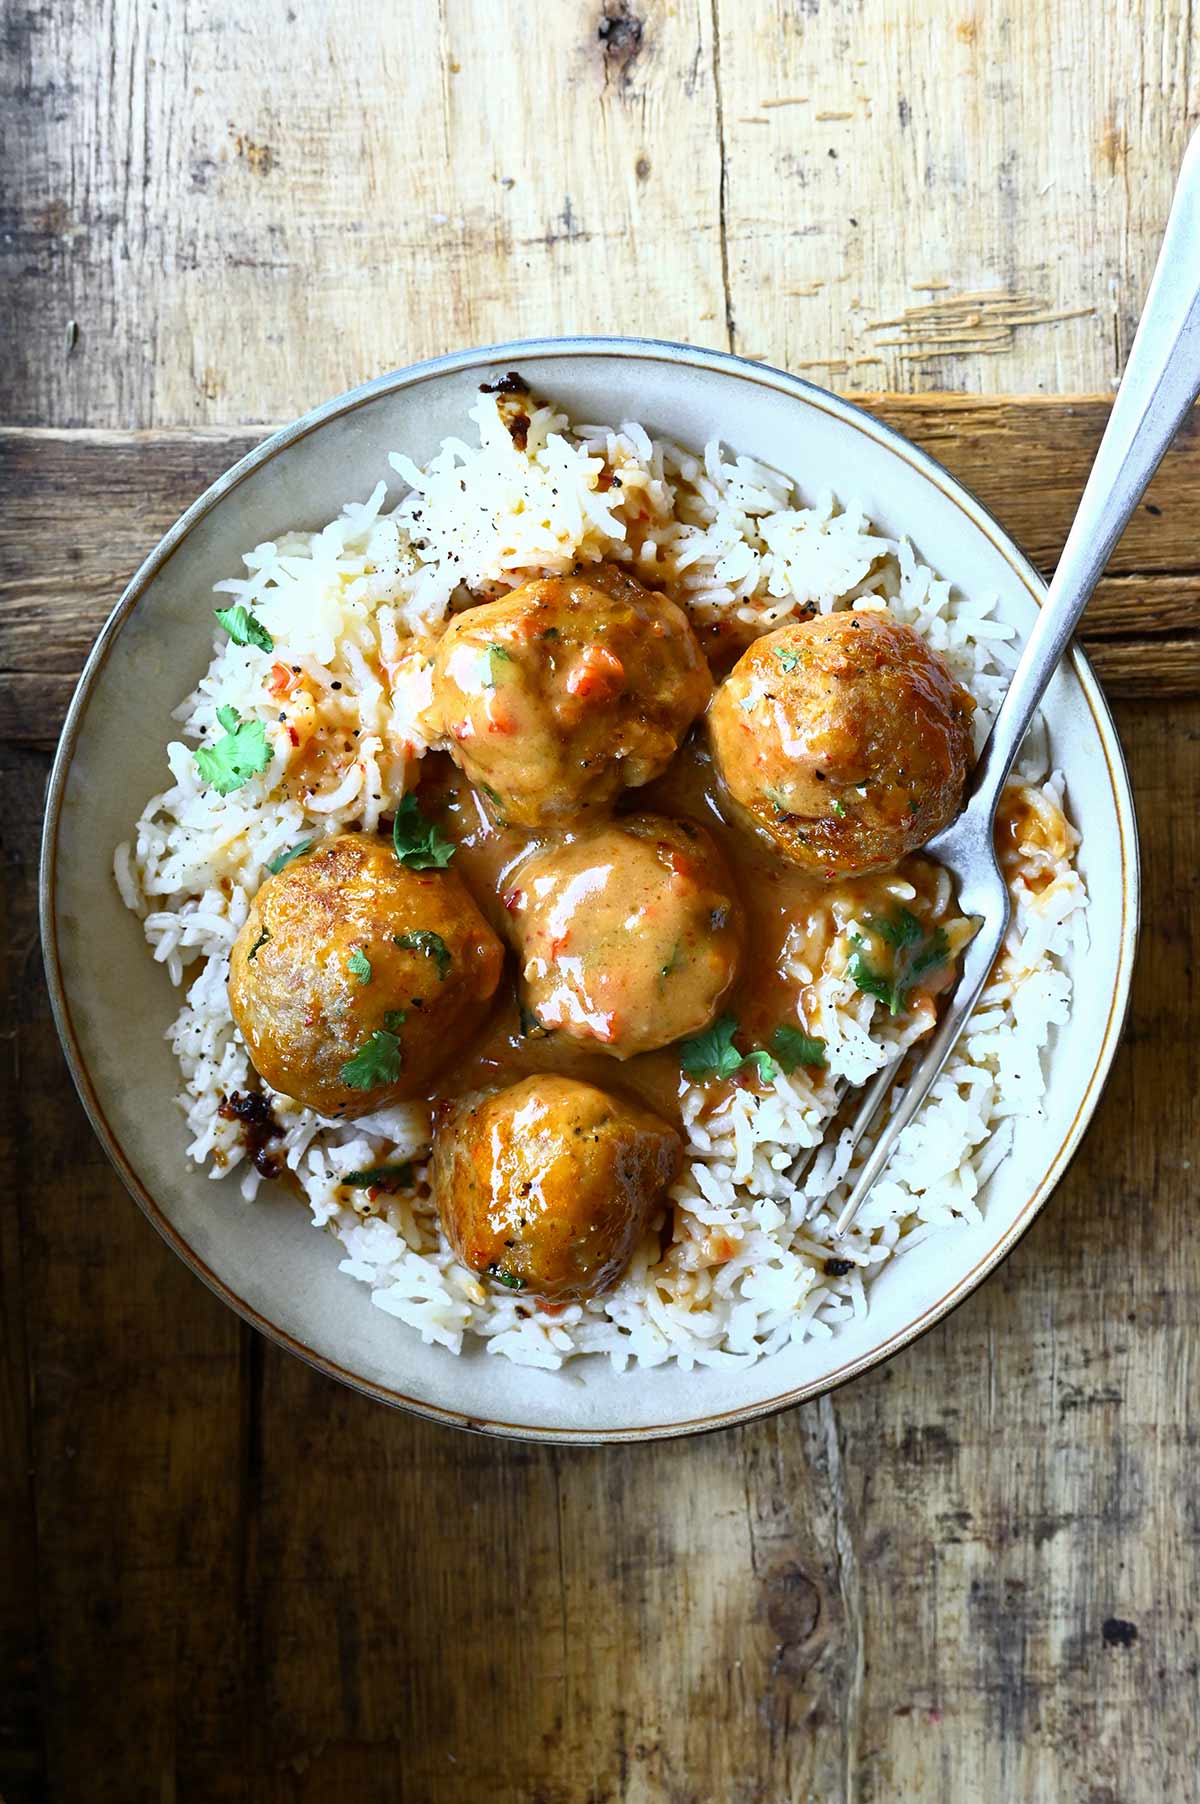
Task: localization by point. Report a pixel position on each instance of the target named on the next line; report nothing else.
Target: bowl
(112, 1004)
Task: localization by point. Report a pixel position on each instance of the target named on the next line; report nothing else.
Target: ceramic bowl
(112, 1003)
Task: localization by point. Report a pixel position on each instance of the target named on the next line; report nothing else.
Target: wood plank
(83, 509)
(233, 248)
(856, 189)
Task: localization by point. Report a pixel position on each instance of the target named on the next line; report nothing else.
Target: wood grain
(226, 1579)
(84, 508)
(285, 200)
(944, 1582)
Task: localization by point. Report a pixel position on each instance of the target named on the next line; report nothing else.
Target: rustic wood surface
(971, 1576)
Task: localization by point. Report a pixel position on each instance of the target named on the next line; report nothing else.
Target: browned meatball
(355, 979)
(566, 692)
(846, 740)
(629, 933)
(545, 1187)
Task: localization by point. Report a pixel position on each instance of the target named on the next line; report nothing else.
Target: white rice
(357, 605)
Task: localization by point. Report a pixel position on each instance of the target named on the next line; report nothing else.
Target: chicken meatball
(629, 933)
(545, 1187)
(573, 688)
(845, 739)
(355, 979)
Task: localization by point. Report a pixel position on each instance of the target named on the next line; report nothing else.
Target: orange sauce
(789, 917)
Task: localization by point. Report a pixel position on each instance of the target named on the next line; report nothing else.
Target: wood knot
(620, 33)
(793, 1605)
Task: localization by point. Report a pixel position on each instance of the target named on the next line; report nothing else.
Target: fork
(1160, 384)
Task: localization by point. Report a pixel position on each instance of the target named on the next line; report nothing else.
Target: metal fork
(1160, 384)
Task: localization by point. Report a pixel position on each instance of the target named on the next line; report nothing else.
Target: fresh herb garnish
(788, 659)
(793, 1048)
(262, 939)
(394, 1019)
(510, 1280)
(276, 864)
(913, 954)
(242, 754)
(765, 1065)
(676, 962)
(360, 964)
(713, 1053)
(378, 1177)
(418, 842)
(376, 1062)
(431, 945)
(243, 628)
(838, 808)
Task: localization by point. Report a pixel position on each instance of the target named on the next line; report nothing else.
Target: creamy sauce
(789, 919)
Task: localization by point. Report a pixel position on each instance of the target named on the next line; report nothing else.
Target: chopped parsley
(240, 755)
(913, 954)
(510, 1280)
(431, 945)
(713, 1053)
(418, 842)
(788, 659)
(676, 962)
(360, 964)
(394, 1019)
(838, 808)
(276, 864)
(764, 1064)
(378, 1177)
(262, 939)
(243, 628)
(793, 1048)
(376, 1062)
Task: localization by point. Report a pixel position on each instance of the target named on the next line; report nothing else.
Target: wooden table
(972, 1575)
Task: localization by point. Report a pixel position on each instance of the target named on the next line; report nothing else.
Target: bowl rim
(658, 351)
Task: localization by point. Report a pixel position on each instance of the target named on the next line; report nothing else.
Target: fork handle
(1161, 381)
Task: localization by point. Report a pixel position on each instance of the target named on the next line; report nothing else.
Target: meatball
(573, 688)
(845, 739)
(629, 933)
(546, 1186)
(355, 979)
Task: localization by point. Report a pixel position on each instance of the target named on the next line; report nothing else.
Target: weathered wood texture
(231, 212)
(1027, 460)
(970, 1575)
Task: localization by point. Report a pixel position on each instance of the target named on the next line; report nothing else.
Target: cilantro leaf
(765, 1065)
(276, 864)
(903, 930)
(839, 808)
(376, 1062)
(712, 1053)
(432, 945)
(360, 964)
(510, 1280)
(394, 1019)
(417, 841)
(913, 954)
(378, 1177)
(788, 659)
(262, 939)
(242, 754)
(793, 1048)
(243, 628)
